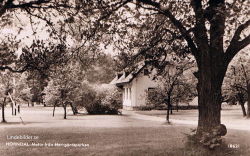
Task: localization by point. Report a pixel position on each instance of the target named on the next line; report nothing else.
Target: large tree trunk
(3, 106)
(210, 78)
(209, 104)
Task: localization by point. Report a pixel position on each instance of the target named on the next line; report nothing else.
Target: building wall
(135, 92)
(142, 84)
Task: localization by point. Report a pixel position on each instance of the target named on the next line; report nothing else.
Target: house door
(127, 97)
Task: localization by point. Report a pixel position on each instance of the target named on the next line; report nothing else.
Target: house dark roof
(127, 77)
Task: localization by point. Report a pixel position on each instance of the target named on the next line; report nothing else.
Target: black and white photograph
(124, 77)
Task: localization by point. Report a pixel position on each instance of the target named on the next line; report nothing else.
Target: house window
(146, 72)
(151, 92)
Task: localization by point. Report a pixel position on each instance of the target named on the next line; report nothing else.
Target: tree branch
(5, 7)
(235, 45)
(3, 68)
(28, 4)
(200, 31)
(237, 33)
(165, 11)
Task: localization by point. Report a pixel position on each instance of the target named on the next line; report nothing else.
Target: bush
(104, 101)
(143, 108)
(155, 100)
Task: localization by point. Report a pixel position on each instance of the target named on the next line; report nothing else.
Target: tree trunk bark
(3, 106)
(167, 117)
(74, 109)
(209, 105)
(12, 108)
(210, 78)
(65, 111)
(243, 109)
(248, 100)
(168, 108)
(177, 106)
(18, 108)
(241, 102)
(15, 109)
(54, 110)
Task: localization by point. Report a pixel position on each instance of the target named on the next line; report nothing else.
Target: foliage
(52, 95)
(40, 59)
(76, 90)
(113, 100)
(16, 85)
(105, 101)
(236, 83)
(156, 99)
(22, 90)
(8, 48)
(102, 70)
(64, 81)
(27, 21)
(213, 32)
(144, 108)
(6, 84)
(177, 84)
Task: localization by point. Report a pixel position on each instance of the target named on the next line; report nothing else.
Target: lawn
(106, 135)
(231, 116)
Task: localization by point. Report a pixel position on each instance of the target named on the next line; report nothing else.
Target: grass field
(106, 135)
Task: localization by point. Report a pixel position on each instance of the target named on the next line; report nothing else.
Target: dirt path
(231, 120)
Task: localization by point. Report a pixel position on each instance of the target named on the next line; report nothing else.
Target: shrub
(95, 107)
(143, 108)
(104, 101)
(155, 99)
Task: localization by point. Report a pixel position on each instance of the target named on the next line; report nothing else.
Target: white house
(135, 86)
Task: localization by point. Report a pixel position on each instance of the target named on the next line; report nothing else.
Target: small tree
(177, 82)
(6, 89)
(64, 83)
(237, 84)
